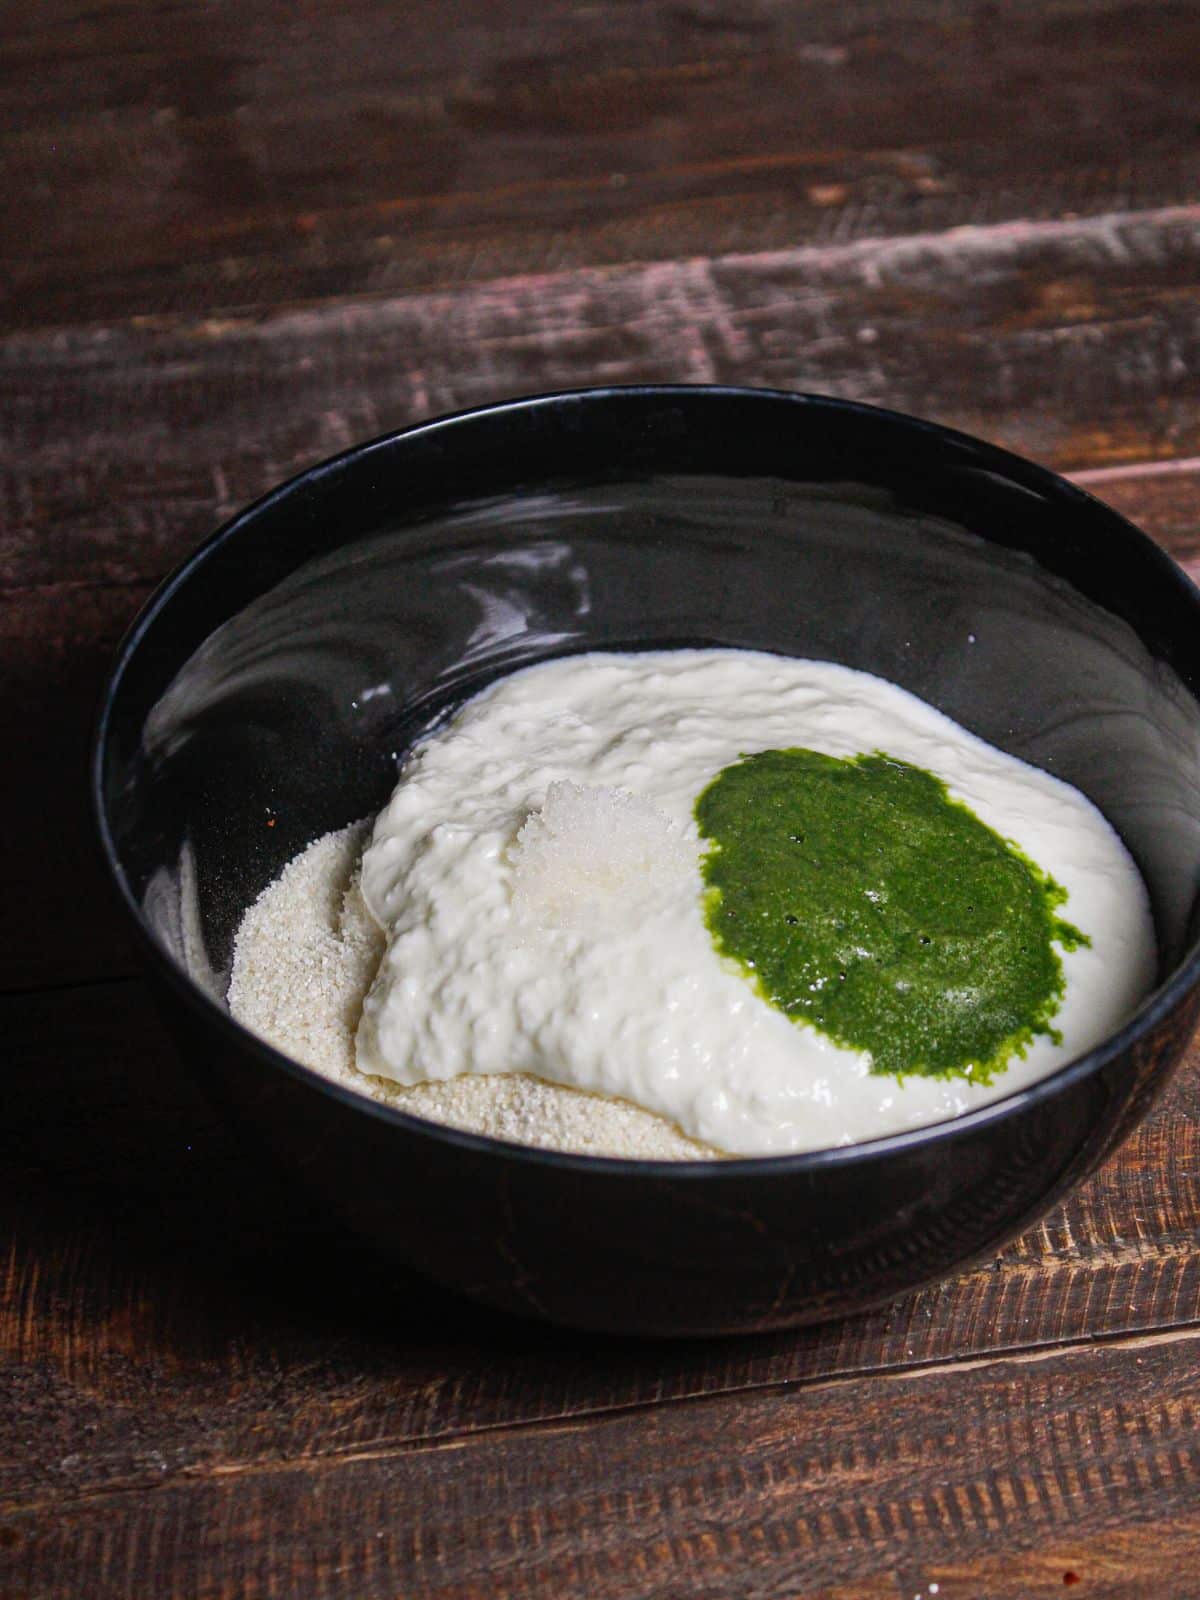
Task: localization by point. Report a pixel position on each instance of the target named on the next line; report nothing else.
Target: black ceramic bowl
(284, 668)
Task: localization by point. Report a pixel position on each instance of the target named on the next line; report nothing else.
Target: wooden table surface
(239, 236)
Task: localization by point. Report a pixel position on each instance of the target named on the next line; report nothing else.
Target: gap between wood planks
(1006, 1358)
(547, 1427)
(1088, 476)
(871, 254)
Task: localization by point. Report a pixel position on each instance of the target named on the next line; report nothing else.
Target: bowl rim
(1158, 1004)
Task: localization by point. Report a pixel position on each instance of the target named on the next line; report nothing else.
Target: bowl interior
(268, 696)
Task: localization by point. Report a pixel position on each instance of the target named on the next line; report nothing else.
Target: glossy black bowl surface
(278, 676)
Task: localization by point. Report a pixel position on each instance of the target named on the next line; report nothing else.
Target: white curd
(536, 876)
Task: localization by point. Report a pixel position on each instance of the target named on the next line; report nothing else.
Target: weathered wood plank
(171, 1309)
(1053, 1461)
(1076, 342)
(249, 156)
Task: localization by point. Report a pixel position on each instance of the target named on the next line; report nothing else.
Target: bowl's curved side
(708, 1250)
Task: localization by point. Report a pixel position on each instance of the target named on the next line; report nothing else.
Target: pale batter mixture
(537, 878)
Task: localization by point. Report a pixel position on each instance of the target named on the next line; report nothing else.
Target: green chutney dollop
(861, 897)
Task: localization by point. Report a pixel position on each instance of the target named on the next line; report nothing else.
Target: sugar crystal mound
(595, 856)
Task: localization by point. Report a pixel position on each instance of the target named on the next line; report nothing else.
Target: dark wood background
(236, 237)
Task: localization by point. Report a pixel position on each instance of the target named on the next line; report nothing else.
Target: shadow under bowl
(266, 692)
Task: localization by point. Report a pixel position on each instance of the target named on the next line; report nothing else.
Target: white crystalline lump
(532, 927)
(594, 856)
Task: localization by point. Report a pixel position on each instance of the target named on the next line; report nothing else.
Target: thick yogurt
(623, 994)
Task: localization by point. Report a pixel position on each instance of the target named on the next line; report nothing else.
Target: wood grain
(246, 156)
(913, 1477)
